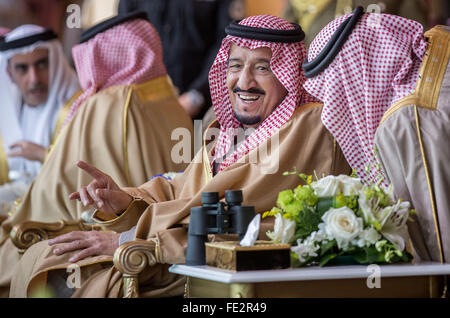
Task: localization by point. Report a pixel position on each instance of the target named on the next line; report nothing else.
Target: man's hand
(27, 150)
(103, 193)
(90, 243)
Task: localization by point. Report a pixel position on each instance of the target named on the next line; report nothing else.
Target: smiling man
(254, 90)
(256, 87)
(35, 83)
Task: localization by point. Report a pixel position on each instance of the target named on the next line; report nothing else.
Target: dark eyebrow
(20, 65)
(263, 60)
(234, 60)
(42, 60)
(257, 60)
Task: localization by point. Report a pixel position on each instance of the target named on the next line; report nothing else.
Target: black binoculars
(215, 217)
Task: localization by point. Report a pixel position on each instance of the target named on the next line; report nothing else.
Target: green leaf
(325, 247)
(325, 259)
(368, 255)
(307, 221)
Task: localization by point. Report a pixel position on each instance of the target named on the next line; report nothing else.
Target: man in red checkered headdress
(266, 125)
(386, 101)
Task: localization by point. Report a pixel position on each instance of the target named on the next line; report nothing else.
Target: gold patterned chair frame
(27, 233)
(130, 258)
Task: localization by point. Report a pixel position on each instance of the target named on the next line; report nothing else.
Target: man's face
(253, 88)
(30, 73)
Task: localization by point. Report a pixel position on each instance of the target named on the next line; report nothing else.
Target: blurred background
(191, 30)
(313, 15)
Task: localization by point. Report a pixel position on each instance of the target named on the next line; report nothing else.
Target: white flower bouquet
(338, 216)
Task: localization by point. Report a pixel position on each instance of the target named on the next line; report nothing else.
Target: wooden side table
(354, 281)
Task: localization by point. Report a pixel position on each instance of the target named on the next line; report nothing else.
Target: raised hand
(27, 150)
(103, 193)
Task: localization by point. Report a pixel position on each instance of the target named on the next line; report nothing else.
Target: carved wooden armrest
(3, 218)
(28, 233)
(131, 258)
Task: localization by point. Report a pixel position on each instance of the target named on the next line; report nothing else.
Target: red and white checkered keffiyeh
(378, 64)
(285, 63)
(128, 53)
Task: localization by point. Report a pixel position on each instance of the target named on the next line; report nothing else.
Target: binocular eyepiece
(215, 217)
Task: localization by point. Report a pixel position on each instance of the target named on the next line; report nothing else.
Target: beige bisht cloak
(413, 142)
(303, 143)
(123, 130)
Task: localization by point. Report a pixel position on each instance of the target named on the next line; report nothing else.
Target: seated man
(386, 94)
(35, 83)
(123, 122)
(256, 87)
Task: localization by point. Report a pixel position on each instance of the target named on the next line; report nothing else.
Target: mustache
(37, 87)
(250, 91)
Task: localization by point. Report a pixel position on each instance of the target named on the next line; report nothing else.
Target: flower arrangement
(339, 216)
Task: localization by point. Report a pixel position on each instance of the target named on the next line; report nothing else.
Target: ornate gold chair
(130, 258)
(27, 233)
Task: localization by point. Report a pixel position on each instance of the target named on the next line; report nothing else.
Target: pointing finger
(75, 196)
(93, 171)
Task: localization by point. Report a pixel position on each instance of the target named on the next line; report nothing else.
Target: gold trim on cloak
(63, 112)
(426, 95)
(431, 74)
(430, 186)
(4, 168)
(157, 88)
(124, 137)
(206, 162)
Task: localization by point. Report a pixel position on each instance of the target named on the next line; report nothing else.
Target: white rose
(326, 187)
(342, 225)
(349, 185)
(283, 230)
(331, 186)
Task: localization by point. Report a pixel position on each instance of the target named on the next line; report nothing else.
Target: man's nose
(246, 79)
(33, 75)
